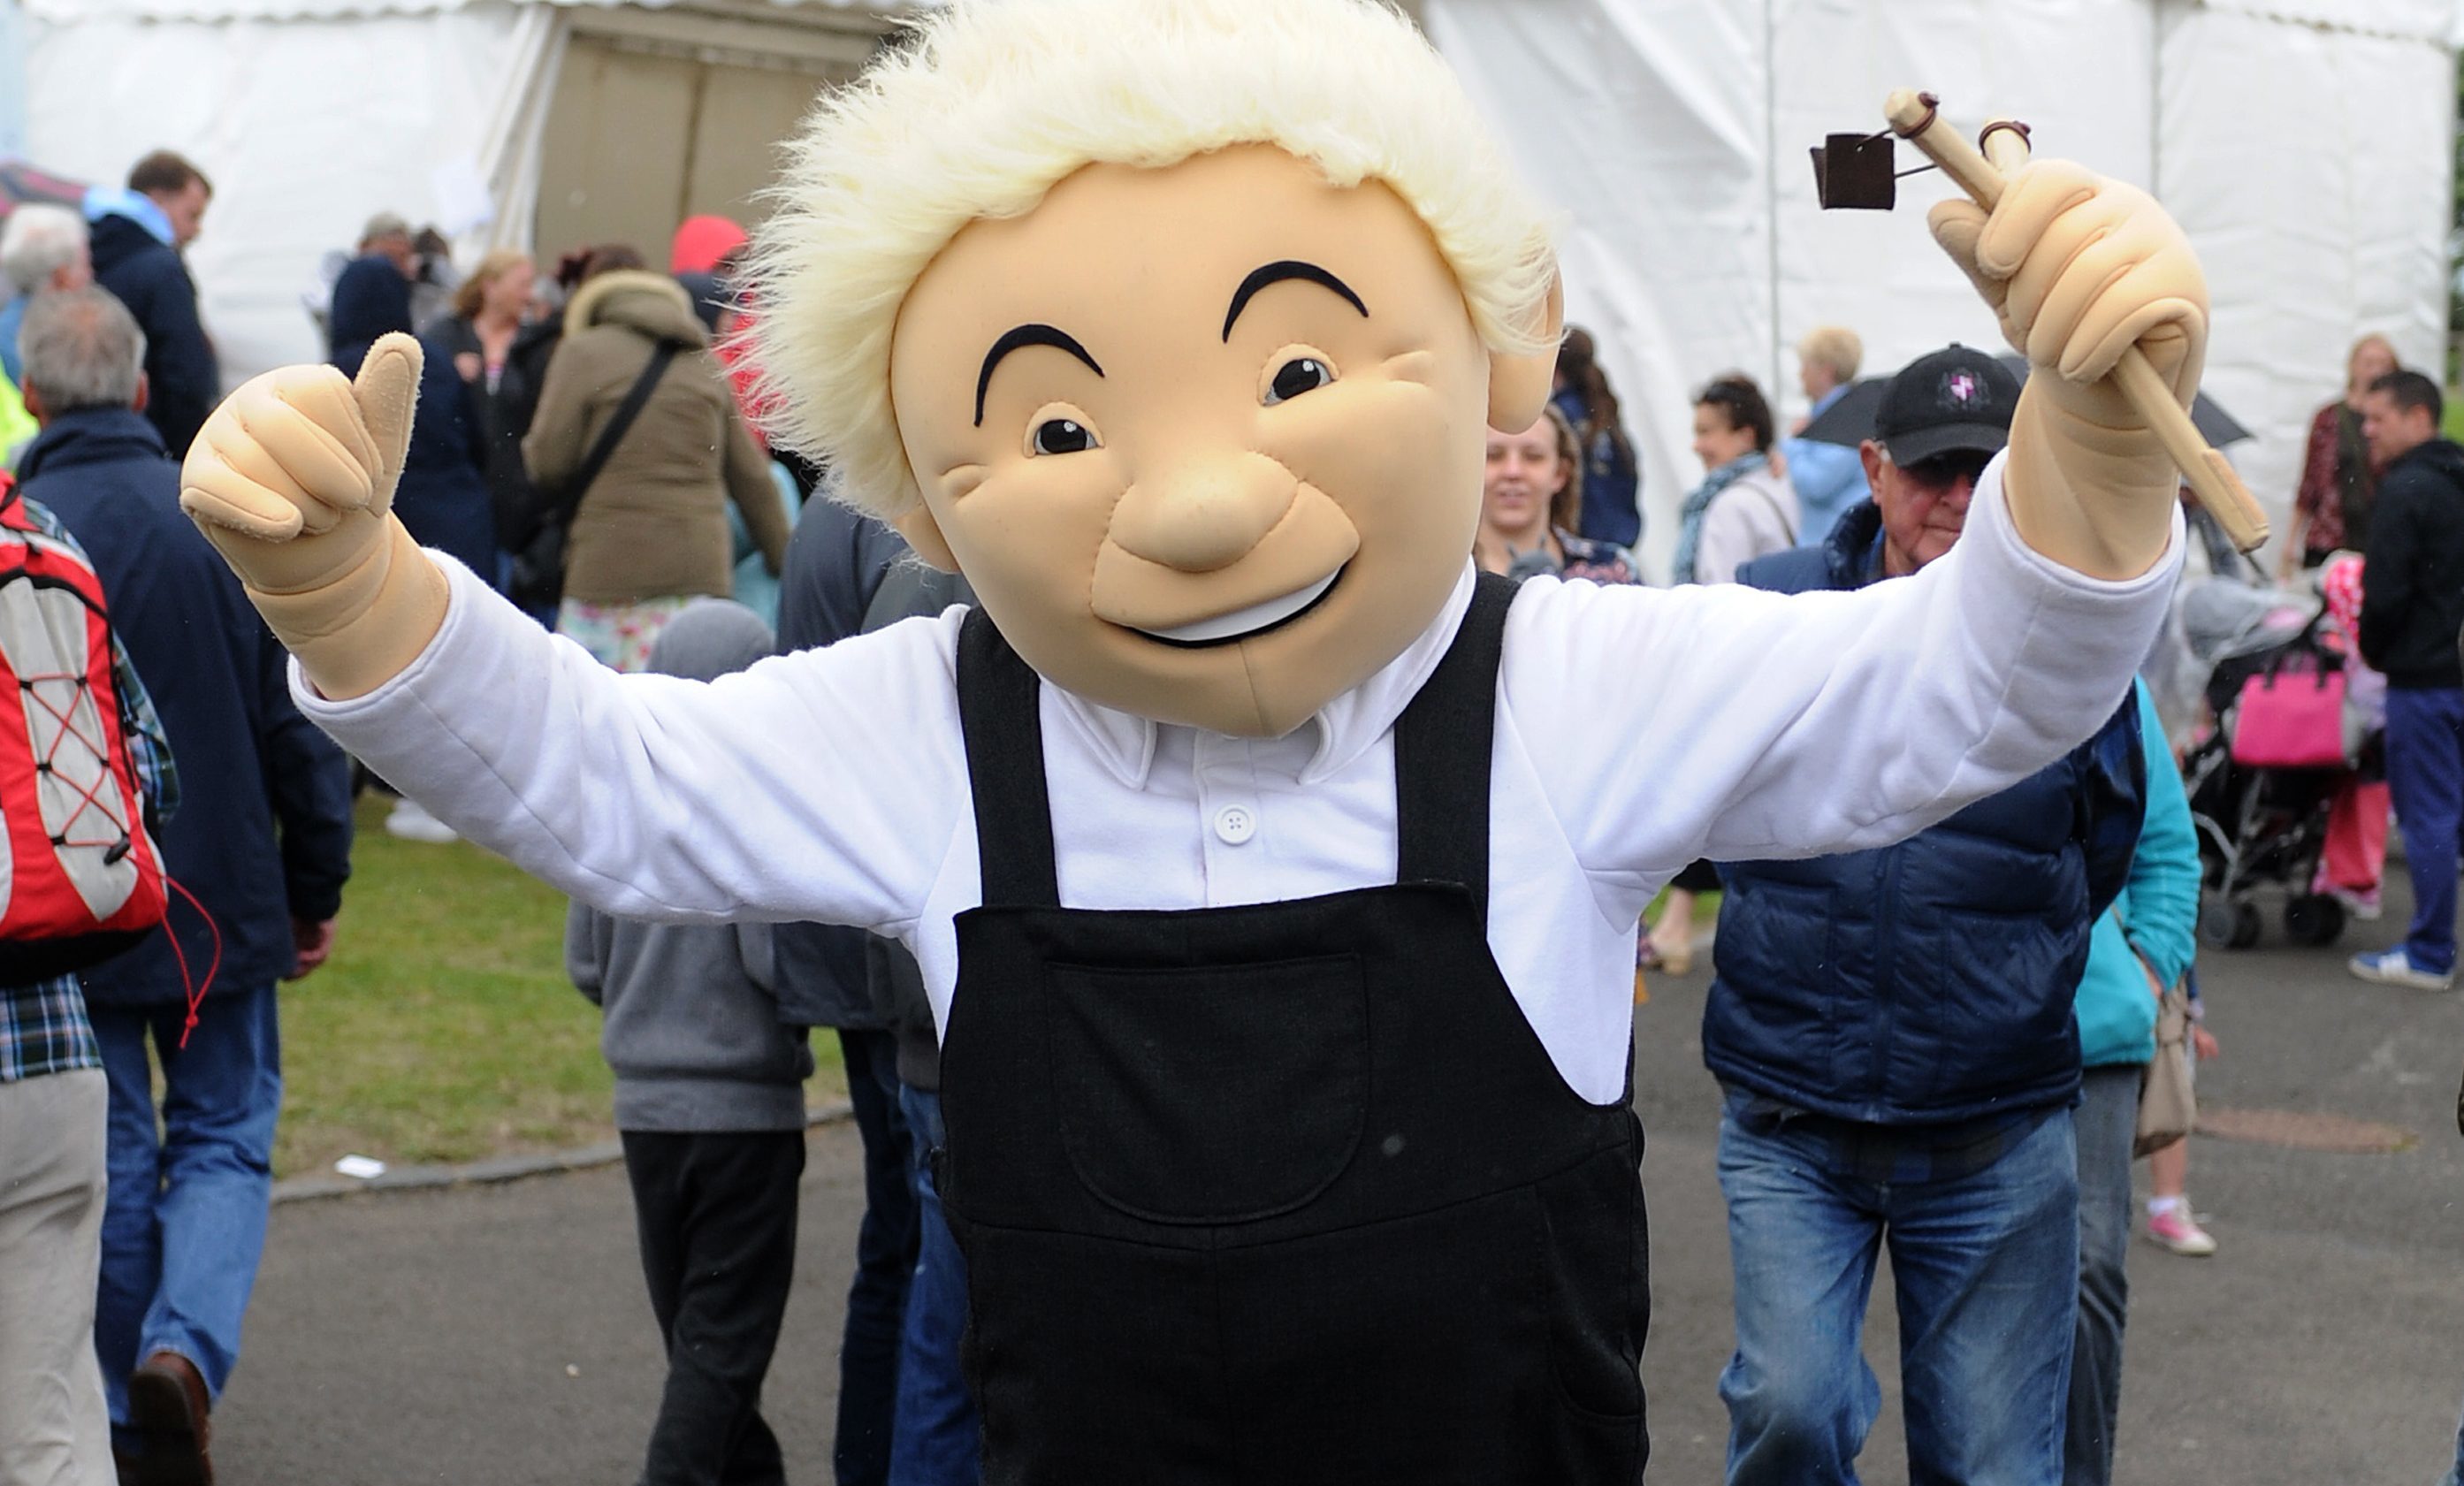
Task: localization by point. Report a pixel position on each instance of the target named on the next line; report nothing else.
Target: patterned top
(43, 1027)
(2337, 484)
(1598, 561)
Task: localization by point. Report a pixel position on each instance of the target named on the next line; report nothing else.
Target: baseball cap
(385, 224)
(1954, 399)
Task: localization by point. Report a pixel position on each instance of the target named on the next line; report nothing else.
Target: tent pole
(1770, 186)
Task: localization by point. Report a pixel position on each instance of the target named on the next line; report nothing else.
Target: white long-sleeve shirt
(1638, 728)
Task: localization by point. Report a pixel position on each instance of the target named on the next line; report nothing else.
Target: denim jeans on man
(1986, 1265)
(939, 1440)
(2424, 766)
(185, 1224)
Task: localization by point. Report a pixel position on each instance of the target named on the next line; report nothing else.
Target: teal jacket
(2155, 919)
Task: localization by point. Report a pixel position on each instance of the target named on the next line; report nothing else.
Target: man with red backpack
(53, 1421)
(259, 855)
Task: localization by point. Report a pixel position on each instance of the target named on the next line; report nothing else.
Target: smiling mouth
(1250, 623)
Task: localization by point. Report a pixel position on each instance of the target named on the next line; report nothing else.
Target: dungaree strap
(1442, 743)
(1002, 723)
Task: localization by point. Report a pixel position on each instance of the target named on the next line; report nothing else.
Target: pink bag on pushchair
(2291, 719)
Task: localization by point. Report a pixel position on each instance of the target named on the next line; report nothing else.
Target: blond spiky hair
(990, 103)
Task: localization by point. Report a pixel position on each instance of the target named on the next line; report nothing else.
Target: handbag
(2291, 720)
(539, 563)
(2168, 1106)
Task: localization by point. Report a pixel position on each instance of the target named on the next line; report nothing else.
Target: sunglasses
(1943, 472)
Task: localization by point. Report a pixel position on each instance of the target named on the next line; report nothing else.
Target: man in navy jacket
(136, 238)
(262, 841)
(1894, 1031)
(2412, 604)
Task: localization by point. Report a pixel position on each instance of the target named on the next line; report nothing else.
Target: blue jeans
(184, 1226)
(939, 1440)
(1986, 1270)
(2454, 1475)
(885, 1262)
(2425, 768)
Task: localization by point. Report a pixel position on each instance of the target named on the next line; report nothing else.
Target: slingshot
(1857, 171)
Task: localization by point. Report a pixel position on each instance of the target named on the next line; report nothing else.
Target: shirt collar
(1347, 726)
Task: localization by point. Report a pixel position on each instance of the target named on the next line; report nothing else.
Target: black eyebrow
(1022, 337)
(1276, 274)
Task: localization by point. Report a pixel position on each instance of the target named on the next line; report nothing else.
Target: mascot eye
(1300, 373)
(1062, 436)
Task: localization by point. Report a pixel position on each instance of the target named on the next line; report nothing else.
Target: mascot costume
(1273, 877)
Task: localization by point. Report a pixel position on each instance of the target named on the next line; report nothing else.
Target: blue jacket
(264, 829)
(1929, 982)
(146, 274)
(444, 499)
(2156, 920)
(1830, 478)
(1612, 484)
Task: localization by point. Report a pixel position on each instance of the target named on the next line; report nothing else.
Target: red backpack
(81, 878)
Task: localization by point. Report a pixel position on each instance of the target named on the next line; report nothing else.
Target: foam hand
(292, 479)
(2079, 268)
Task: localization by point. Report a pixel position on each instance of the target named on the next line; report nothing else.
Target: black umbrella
(1850, 421)
(2214, 424)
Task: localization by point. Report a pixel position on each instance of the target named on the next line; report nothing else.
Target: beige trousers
(55, 1430)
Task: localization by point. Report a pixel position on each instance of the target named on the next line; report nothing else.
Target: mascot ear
(924, 535)
(1519, 385)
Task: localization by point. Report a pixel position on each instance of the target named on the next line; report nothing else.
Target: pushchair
(2258, 827)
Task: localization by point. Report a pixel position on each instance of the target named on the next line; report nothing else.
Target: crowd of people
(587, 441)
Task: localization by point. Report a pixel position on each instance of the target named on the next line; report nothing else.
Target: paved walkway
(497, 1336)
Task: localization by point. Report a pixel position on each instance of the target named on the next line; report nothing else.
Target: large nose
(1206, 514)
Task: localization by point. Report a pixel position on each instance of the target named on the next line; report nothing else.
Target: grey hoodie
(692, 1026)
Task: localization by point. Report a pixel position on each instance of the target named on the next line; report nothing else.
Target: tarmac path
(500, 1335)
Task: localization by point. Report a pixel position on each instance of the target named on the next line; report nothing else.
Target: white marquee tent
(2305, 143)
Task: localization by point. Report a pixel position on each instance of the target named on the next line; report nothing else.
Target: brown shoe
(167, 1408)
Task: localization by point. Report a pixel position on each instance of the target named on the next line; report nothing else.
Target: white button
(1235, 824)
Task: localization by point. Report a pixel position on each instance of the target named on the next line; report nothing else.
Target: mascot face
(1207, 439)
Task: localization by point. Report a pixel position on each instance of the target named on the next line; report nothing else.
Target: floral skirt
(617, 635)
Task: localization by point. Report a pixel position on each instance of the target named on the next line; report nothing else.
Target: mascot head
(1177, 326)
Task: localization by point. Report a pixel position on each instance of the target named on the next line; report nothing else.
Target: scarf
(1689, 531)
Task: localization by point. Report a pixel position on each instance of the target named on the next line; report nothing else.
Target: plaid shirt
(43, 1027)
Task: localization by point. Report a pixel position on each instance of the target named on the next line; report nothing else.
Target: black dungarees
(1285, 1194)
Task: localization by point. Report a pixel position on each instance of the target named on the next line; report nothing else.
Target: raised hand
(2079, 268)
(292, 479)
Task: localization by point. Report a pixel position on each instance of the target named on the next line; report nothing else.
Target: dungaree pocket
(1222, 1095)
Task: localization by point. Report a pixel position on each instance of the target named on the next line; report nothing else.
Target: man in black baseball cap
(1943, 418)
(1893, 1031)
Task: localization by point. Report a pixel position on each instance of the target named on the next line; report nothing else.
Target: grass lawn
(443, 1029)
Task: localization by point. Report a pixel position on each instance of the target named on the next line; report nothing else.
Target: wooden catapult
(1856, 170)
